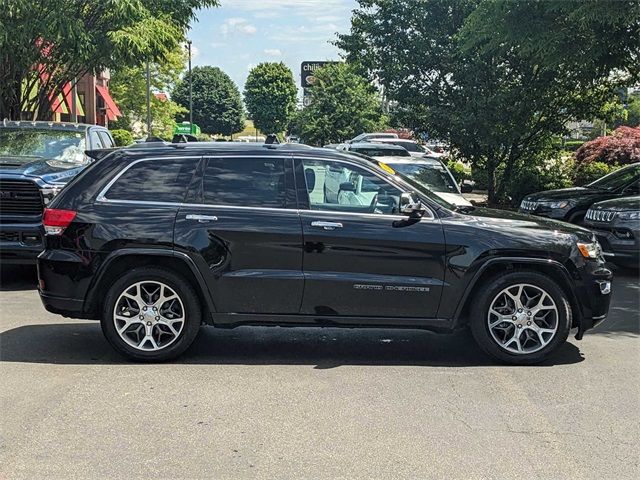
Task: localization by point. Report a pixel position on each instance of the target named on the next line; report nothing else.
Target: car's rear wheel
(151, 314)
(522, 317)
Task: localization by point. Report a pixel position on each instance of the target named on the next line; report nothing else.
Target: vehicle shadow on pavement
(83, 343)
(624, 311)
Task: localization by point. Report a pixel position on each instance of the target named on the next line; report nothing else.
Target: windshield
(617, 179)
(381, 152)
(58, 147)
(434, 177)
(410, 146)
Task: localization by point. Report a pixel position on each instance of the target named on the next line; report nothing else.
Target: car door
(241, 224)
(362, 258)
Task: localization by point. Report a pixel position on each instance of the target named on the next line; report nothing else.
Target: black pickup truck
(37, 159)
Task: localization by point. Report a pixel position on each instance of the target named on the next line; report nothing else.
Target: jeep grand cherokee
(155, 241)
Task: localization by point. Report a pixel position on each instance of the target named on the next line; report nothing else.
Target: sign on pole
(306, 72)
(186, 128)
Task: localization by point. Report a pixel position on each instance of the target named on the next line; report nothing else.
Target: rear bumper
(20, 243)
(67, 307)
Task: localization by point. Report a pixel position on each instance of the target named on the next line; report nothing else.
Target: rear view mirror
(411, 205)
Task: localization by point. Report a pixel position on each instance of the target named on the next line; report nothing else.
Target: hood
(619, 204)
(454, 199)
(513, 221)
(54, 172)
(577, 194)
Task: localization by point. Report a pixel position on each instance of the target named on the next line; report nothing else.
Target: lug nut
(149, 324)
(514, 318)
(141, 317)
(529, 313)
(144, 308)
(519, 310)
(528, 323)
(157, 318)
(519, 326)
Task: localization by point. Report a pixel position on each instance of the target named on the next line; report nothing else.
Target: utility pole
(190, 91)
(149, 133)
(74, 106)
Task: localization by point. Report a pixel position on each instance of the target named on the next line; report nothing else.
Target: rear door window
(106, 140)
(245, 182)
(156, 180)
(95, 141)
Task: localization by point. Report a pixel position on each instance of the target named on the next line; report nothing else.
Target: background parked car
(37, 159)
(413, 147)
(616, 223)
(373, 149)
(366, 137)
(571, 204)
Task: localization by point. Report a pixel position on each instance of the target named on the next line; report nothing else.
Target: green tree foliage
(343, 104)
(128, 87)
(496, 79)
(45, 44)
(217, 105)
(122, 137)
(270, 96)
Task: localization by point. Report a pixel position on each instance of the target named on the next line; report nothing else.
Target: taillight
(55, 221)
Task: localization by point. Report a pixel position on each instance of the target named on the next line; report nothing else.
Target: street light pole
(190, 91)
(149, 133)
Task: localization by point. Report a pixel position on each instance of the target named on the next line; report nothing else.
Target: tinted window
(343, 187)
(409, 146)
(382, 152)
(617, 179)
(155, 181)
(245, 182)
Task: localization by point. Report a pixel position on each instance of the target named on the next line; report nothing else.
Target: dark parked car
(155, 241)
(571, 204)
(37, 159)
(374, 149)
(616, 223)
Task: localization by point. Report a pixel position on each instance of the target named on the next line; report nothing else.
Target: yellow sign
(387, 168)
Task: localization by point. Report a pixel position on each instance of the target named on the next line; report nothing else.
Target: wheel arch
(121, 261)
(551, 268)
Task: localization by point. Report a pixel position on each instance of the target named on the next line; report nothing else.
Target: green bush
(458, 170)
(588, 172)
(122, 137)
(538, 174)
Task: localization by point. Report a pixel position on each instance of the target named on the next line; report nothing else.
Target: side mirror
(410, 205)
(466, 187)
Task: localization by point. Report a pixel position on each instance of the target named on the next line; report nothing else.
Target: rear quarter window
(158, 180)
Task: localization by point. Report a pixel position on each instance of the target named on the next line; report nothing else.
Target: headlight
(555, 205)
(629, 215)
(50, 191)
(590, 250)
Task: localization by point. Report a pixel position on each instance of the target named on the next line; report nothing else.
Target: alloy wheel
(523, 319)
(149, 316)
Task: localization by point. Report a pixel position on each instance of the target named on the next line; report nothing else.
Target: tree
(217, 106)
(343, 104)
(128, 86)
(496, 79)
(45, 45)
(620, 148)
(270, 95)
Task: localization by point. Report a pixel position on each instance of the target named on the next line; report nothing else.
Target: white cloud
(239, 25)
(316, 33)
(273, 52)
(309, 8)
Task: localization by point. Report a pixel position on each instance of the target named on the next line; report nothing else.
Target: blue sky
(242, 33)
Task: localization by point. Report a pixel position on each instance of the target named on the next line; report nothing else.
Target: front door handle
(202, 218)
(326, 225)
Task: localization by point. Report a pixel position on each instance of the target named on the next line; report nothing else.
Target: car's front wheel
(151, 314)
(521, 317)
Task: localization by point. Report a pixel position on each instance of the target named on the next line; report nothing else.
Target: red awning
(112, 109)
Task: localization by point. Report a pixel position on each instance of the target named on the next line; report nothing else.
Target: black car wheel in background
(571, 204)
(616, 224)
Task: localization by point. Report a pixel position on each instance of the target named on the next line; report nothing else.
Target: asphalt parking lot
(305, 403)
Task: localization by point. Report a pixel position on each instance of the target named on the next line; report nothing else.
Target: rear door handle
(326, 225)
(202, 218)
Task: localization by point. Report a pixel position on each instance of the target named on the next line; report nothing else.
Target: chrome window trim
(102, 198)
(432, 215)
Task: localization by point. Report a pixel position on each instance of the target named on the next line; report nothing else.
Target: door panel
(365, 260)
(251, 254)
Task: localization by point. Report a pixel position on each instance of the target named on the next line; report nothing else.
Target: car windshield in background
(432, 176)
(382, 152)
(59, 147)
(617, 179)
(410, 146)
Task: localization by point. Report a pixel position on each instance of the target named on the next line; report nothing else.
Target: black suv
(153, 241)
(37, 159)
(571, 204)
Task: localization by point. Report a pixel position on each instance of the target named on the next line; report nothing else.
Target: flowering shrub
(622, 147)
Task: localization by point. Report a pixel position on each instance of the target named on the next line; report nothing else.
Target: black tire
(483, 300)
(189, 301)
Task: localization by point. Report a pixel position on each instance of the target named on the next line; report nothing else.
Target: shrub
(622, 147)
(458, 170)
(538, 174)
(122, 137)
(588, 172)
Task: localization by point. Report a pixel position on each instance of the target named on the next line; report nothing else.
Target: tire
(172, 321)
(540, 333)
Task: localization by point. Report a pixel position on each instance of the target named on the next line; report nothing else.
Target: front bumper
(624, 251)
(20, 243)
(593, 294)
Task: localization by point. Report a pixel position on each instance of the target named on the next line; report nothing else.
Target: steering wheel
(374, 204)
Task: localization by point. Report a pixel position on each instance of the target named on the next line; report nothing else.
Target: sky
(242, 33)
